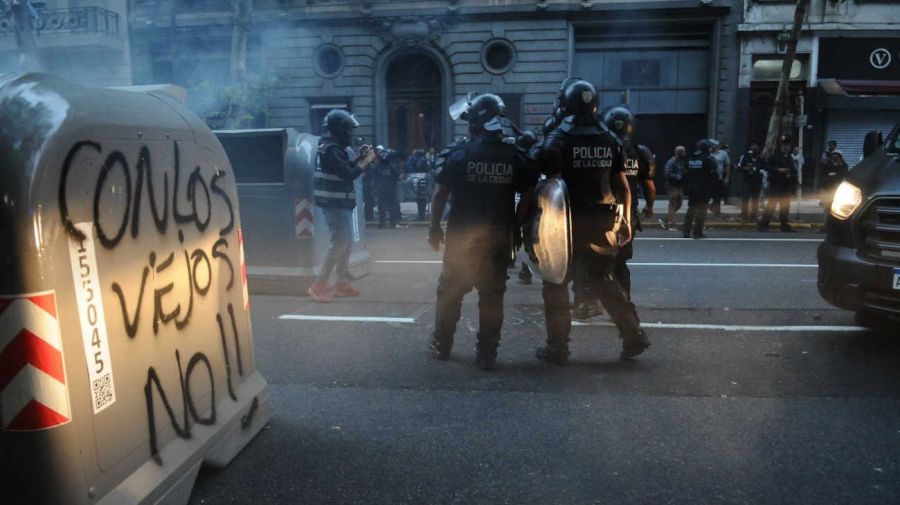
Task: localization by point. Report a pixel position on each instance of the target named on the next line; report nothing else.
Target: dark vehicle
(859, 262)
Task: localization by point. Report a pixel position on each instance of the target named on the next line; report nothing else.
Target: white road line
(411, 262)
(637, 264)
(665, 326)
(734, 328)
(724, 265)
(352, 319)
(725, 239)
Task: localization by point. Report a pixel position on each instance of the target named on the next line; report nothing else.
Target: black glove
(435, 237)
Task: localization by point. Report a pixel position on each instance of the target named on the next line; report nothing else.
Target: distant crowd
(766, 182)
(760, 183)
(393, 179)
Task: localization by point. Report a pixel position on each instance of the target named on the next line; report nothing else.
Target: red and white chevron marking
(243, 269)
(303, 218)
(33, 391)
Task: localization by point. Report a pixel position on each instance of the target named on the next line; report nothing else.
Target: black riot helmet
(580, 99)
(559, 106)
(621, 120)
(340, 124)
(486, 112)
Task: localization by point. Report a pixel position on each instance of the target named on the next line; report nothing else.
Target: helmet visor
(460, 108)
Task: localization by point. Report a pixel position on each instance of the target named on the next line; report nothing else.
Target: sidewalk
(810, 216)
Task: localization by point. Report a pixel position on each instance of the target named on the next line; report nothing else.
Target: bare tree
(237, 113)
(242, 12)
(783, 94)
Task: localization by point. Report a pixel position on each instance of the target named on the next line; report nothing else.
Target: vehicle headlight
(847, 199)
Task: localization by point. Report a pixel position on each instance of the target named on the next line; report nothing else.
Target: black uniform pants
(598, 272)
(782, 200)
(388, 204)
(720, 194)
(421, 204)
(581, 285)
(620, 269)
(464, 269)
(696, 214)
(750, 198)
(581, 289)
(369, 200)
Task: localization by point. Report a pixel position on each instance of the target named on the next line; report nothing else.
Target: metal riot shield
(552, 230)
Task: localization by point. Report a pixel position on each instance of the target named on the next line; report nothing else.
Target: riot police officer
(370, 198)
(702, 181)
(386, 175)
(640, 169)
(588, 157)
(751, 167)
(482, 176)
(835, 170)
(782, 174)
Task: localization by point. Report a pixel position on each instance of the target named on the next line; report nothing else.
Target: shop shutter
(849, 129)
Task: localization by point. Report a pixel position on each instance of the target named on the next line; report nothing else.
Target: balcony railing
(202, 6)
(72, 20)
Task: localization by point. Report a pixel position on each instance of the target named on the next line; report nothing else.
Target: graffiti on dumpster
(159, 296)
(116, 160)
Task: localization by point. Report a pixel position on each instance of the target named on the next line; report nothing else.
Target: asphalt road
(754, 391)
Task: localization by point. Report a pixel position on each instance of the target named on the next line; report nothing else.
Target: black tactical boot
(525, 275)
(485, 361)
(439, 351)
(553, 354)
(634, 345)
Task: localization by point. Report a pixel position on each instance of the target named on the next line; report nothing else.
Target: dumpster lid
(176, 92)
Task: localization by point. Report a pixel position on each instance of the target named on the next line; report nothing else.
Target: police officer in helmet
(782, 176)
(640, 169)
(589, 158)
(386, 174)
(482, 176)
(702, 181)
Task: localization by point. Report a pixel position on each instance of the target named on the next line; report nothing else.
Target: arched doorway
(413, 88)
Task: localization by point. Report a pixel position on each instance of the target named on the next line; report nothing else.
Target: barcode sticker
(93, 319)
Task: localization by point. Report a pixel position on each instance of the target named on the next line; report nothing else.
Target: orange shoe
(319, 292)
(345, 290)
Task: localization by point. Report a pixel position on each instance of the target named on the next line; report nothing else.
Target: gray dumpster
(286, 234)
(126, 352)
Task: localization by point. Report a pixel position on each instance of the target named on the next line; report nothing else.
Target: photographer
(336, 195)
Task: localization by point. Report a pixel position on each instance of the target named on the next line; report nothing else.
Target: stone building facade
(398, 65)
(86, 41)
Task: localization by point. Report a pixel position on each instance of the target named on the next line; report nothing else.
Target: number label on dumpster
(897, 279)
(92, 317)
